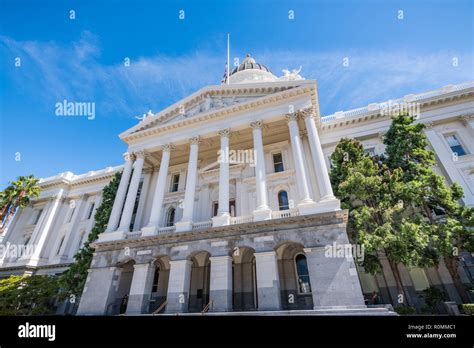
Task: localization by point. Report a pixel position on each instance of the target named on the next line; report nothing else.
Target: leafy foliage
(17, 194)
(72, 281)
(399, 205)
(28, 295)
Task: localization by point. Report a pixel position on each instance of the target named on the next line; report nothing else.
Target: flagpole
(228, 57)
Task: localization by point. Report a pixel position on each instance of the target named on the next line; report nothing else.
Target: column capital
(127, 156)
(140, 154)
(307, 113)
(291, 116)
(167, 147)
(429, 125)
(465, 119)
(220, 258)
(195, 140)
(224, 133)
(257, 124)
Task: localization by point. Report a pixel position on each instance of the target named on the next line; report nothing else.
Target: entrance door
(215, 208)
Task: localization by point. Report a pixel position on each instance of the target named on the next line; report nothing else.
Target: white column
(468, 121)
(268, 281)
(306, 204)
(262, 211)
(40, 243)
(152, 227)
(120, 196)
(223, 216)
(140, 289)
(186, 223)
(221, 283)
(178, 286)
(132, 193)
(322, 174)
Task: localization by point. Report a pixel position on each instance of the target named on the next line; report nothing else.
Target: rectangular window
(278, 162)
(91, 210)
(37, 217)
(455, 145)
(71, 214)
(370, 151)
(60, 245)
(174, 183)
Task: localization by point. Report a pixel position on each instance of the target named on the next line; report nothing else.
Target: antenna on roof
(228, 58)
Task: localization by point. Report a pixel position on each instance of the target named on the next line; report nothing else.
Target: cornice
(375, 112)
(224, 112)
(321, 219)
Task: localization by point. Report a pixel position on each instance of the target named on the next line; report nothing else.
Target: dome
(251, 71)
(249, 63)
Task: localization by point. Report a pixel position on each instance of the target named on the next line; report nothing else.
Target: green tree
(72, 281)
(17, 194)
(432, 200)
(395, 202)
(28, 295)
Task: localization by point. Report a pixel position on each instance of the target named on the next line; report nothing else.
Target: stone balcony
(205, 225)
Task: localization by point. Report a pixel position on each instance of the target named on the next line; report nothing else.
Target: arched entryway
(159, 287)
(295, 285)
(125, 275)
(244, 280)
(200, 281)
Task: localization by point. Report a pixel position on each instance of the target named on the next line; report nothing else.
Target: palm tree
(18, 194)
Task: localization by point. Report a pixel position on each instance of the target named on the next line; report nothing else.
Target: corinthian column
(223, 216)
(152, 227)
(132, 192)
(121, 192)
(262, 212)
(322, 175)
(186, 222)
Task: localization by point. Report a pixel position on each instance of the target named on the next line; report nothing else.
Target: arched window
(156, 278)
(283, 200)
(304, 285)
(170, 217)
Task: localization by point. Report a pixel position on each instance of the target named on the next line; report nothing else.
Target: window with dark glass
(455, 145)
(175, 183)
(37, 217)
(170, 217)
(71, 214)
(278, 162)
(60, 245)
(283, 203)
(156, 278)
(304, 285)
(91, 210)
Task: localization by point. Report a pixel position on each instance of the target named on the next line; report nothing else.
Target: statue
(144, 116)
(291, 76)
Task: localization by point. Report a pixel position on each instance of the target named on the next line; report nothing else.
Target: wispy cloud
(54, 72)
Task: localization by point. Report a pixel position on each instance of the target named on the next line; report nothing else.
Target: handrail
(206, 309)
(160, 307)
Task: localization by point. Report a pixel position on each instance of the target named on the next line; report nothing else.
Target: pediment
(210, 100)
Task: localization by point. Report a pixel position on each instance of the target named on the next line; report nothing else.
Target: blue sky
(83, 60)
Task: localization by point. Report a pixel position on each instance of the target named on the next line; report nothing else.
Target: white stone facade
(182, 210)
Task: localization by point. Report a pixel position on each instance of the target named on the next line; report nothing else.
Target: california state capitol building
(225, 204)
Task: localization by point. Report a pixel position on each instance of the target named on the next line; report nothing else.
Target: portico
(258, 137)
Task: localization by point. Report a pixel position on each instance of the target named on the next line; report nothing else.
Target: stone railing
(202, 225)
(241, 219)
(168, 229)
(134, 234)
(280, 214)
